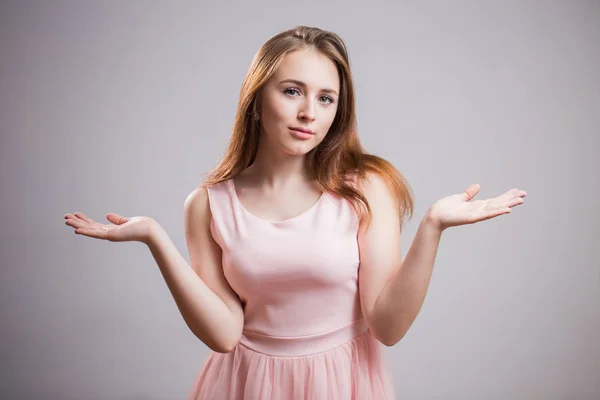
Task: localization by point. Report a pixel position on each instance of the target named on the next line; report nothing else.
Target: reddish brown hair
(340, 154)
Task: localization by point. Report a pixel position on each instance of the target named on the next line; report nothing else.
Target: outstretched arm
(392, 291)
(209, 306)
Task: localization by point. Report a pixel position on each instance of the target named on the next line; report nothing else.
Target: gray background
(124, 106)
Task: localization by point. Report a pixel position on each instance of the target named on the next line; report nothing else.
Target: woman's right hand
(122, 229)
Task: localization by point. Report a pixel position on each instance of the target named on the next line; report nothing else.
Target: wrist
(154, 232)
(432, 221)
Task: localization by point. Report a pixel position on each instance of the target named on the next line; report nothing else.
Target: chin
(293, 147)
(297, 150)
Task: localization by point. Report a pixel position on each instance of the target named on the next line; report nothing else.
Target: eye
(290, 89)
(328, 98)
(294, 90)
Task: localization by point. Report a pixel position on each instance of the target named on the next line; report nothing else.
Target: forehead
(309, 66)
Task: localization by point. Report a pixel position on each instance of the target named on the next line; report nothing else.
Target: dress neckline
(231, 186)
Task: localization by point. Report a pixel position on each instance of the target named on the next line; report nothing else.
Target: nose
(307, 111)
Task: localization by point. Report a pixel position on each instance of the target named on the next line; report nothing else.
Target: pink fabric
(304, 334)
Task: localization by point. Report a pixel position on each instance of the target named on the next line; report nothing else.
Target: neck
(277, 169)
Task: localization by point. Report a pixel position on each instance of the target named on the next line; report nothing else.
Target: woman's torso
(296, 278)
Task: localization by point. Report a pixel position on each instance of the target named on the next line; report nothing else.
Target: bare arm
(401, 299)
(380, 260)
(393, 291)
(209, 306)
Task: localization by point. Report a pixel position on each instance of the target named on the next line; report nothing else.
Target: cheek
(327, 120)
(277, 111)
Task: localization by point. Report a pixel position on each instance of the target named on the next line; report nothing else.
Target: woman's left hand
(457, 209)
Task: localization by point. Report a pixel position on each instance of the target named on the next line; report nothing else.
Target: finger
(73, 216)
(471, 191)
(516, 202)
(509, 199)
(512, 202)
(514, 193)
(506, 196)
(116, 218)
(75, 222)
(493, 213)
(83, 217)
(91, 233)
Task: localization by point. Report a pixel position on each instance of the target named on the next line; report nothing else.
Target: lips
(305, 130)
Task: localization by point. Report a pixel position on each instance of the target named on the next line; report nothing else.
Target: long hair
(340, 154)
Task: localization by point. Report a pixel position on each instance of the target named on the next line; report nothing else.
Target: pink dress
(304, 335)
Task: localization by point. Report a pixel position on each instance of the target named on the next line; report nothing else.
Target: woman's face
(303, 93)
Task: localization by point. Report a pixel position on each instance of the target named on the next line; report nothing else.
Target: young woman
(296, 275)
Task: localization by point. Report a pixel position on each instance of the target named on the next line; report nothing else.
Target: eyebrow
(300, 83)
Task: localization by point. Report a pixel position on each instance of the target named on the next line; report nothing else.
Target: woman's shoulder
(199, 198)
(361, 181)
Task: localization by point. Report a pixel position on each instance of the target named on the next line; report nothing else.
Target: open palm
(121, 229)
(460, 209)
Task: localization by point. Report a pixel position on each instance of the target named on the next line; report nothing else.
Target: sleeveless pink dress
(304, 335)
